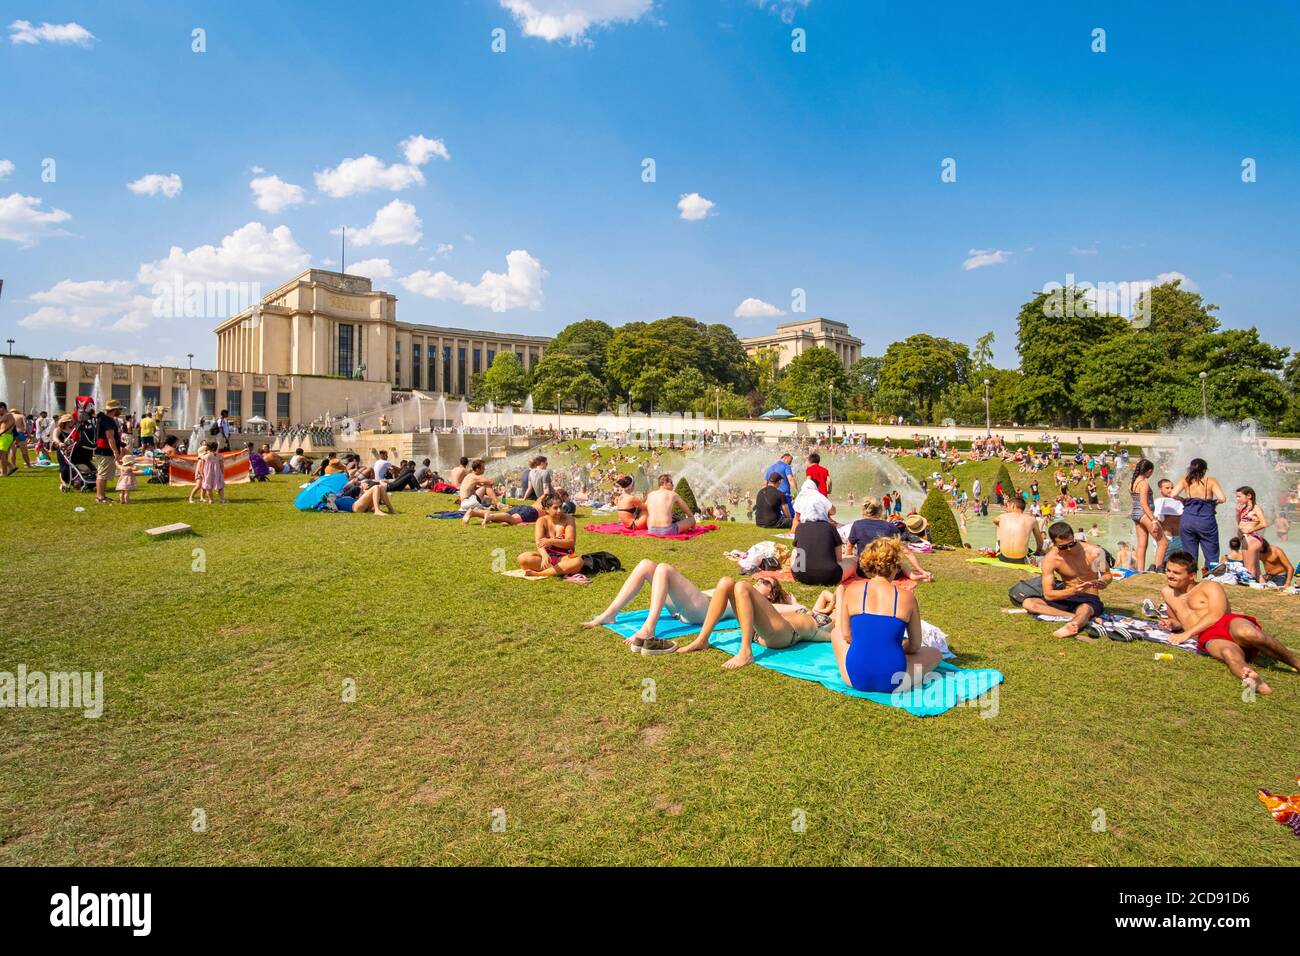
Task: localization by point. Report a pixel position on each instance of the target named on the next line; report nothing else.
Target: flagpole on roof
(343, 251)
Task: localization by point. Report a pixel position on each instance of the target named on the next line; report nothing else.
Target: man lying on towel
(1083, 571)
(1203, 612)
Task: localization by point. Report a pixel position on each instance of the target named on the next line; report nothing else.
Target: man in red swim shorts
(1202, 611)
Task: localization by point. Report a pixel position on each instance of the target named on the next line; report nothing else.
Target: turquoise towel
(816, 662)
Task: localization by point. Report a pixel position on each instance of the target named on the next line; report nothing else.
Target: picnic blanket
(615, 527)
(951, 686)
(234, 464)
(1122, 627)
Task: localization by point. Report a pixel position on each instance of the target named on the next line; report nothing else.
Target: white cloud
(419, 149)
(113, 305)
(272, 194)
(553, 20)
(1081, 251)
(519, 287)
(753, 308)
(250, 251)
(694, 206)
(23, 31)
(96, 353)
(152, 184)
(368, 172)
(23, 222)
(444, 249)
(979, 258)
(785, 9)
(394, 224)
(6, 168)
(371, 268)
(1166, 277)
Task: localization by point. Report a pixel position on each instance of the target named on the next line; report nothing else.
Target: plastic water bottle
(1162, 656)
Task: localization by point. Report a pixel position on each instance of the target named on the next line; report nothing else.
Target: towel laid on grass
(1146, 631)
(615, 527)
(951, 686)
(994, 562)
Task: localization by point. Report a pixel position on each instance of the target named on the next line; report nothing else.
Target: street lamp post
(830, 389)
(717, 409)
(11, 346)
(1205, 407)
(190, 356)
(988, 419)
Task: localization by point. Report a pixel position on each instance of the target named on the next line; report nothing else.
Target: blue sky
(521, 171)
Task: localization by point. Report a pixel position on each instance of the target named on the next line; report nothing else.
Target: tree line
(1079, 366)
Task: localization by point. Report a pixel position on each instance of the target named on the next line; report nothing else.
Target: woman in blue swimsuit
(1201, 494)
(877, 637)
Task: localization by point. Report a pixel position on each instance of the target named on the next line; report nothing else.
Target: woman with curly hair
(877, 634)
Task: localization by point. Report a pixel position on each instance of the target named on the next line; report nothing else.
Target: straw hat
(66, 419)
(112, 405)
(916, 523)
(128, 461)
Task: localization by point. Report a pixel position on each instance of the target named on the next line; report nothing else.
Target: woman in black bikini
(631, 509)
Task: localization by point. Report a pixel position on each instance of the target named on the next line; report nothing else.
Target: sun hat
(916, 523)
(112, 405)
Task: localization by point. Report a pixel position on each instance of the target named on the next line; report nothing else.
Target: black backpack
(599, 562)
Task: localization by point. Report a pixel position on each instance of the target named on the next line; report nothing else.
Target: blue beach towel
(816, 662)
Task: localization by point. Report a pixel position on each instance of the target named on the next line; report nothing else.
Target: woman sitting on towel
(877, 636)
(630, 507)
(771, 614)
(556, 535)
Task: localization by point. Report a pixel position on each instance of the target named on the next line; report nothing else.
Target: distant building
(329, 323)
(794, 338)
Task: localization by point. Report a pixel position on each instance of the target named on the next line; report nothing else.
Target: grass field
(224, 692)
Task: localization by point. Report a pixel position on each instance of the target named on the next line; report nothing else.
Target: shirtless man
(457, 476)
(1203, 612)
(1082, 569)
(7, 435)
(1274, 566)
(476, 489)
(1014, 530)
(659, 506)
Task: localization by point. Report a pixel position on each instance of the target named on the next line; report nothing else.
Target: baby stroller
(79, 476)
(75, 472)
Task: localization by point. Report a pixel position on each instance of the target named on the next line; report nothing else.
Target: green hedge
(684, 492)
(943, 523)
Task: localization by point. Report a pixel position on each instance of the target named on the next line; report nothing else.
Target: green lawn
(476, 692)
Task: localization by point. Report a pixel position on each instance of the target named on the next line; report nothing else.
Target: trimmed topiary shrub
(943, 523)
(684, 492)
(1004, 476)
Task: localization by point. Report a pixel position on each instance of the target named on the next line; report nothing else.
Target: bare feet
(1068, 629)
(465, 519)
(740, 660)
(1250, 678)
(600, 620)
(699, 644)
(638, 640)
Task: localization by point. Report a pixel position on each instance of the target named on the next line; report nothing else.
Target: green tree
(1054, 330)
(684, 492)
(806, 383)
(648, 388)
(924, 367)
(553, 374)
(505, 382)
(683, 390)
(588, 342)
(673, 344)
(864, 382)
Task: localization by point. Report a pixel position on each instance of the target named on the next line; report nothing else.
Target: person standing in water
(1145, 522)
(1199, 528)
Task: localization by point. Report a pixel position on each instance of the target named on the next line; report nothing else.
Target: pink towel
(615, 527)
